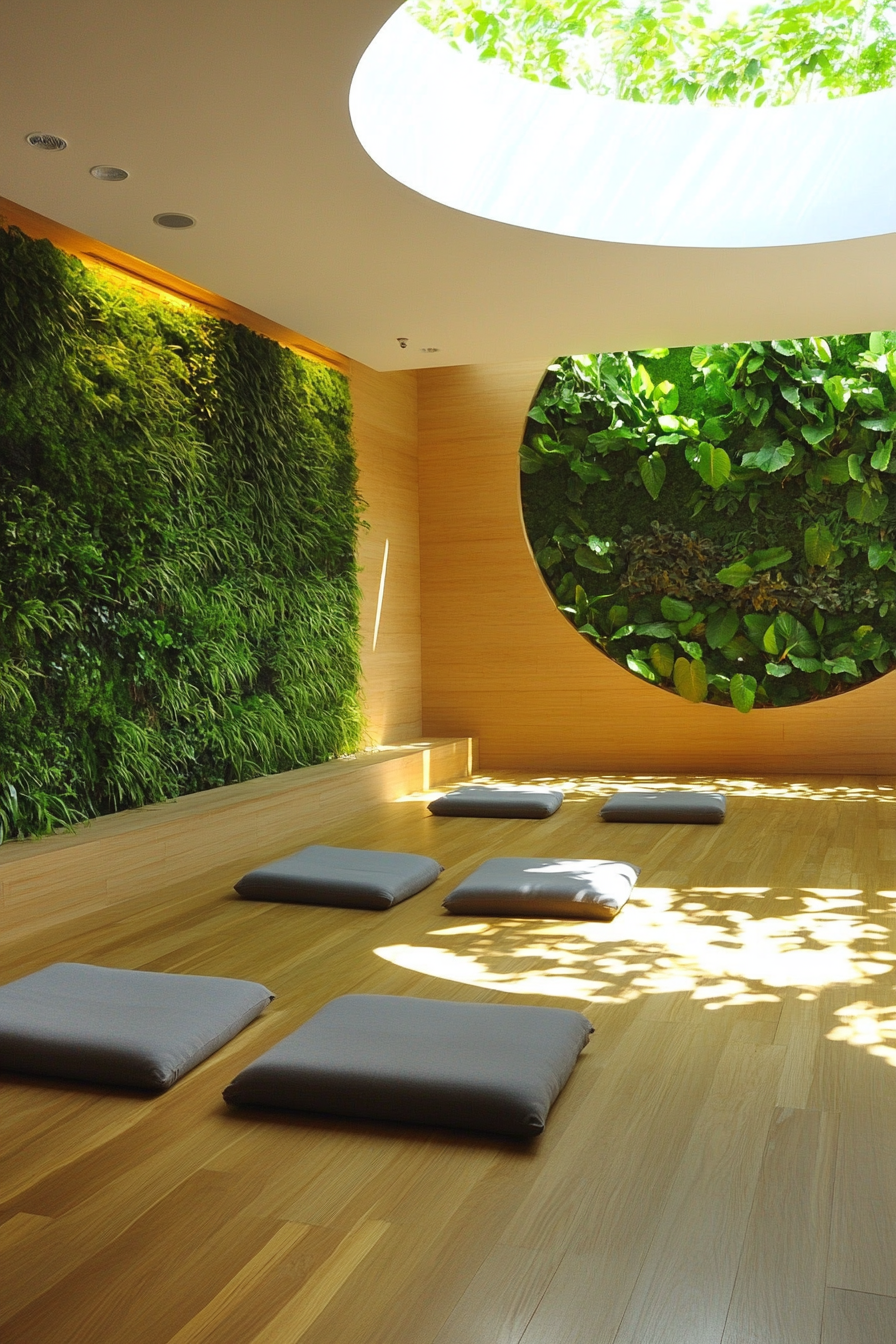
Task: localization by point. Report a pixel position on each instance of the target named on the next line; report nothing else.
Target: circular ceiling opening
(783, 148)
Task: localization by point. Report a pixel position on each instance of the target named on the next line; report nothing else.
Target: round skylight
(475, 136)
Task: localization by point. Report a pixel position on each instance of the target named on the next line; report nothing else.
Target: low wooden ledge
(150, 849)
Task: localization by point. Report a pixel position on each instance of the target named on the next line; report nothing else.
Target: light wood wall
(385, 413)
(501, 663)
(209, 838)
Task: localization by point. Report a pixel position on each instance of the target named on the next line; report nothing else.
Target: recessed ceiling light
(103, 173)
(169, 220)
(42, 140)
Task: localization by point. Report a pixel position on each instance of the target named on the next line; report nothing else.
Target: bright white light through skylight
(474, 136)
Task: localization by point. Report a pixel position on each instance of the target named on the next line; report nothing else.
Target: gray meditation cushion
(358, 879)
(484, 801)
(544, 889)
(128, 1028)
(481, 1066)
(701, 809)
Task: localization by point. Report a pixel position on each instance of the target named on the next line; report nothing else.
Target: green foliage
(178, 596)
(673, 51)
(765, 577)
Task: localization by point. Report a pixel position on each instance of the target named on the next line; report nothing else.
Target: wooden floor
(721, 1168)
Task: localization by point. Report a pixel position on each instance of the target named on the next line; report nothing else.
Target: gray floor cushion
(704, 809)
(481, 1066)
(544, 889)
(129, 1028)
(483, 801)
(360, 879)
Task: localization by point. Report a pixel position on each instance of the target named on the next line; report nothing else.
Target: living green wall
(721, 520)
(178, 512)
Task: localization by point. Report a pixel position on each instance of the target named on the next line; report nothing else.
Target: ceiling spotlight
(402, 341)
(103, 173)
(429, 349)
(168, 220)
(42, 140)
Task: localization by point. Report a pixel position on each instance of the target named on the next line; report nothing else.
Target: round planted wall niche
(721, 520)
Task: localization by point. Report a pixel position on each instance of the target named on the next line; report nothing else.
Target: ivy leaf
(674, 609)
(771, 458)
(690, 679)
(653, 472)
(816, 433)
(662, 659)
(713, 465)
(721, 628)
(742, 690)
(818, 544)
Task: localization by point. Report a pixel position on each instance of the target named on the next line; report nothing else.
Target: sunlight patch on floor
(585, 788)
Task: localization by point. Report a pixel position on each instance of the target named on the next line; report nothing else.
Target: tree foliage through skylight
(674, 51)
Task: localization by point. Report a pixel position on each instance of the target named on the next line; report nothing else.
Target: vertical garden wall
(178, 511)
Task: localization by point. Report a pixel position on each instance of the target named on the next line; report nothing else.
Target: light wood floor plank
(858, 1318)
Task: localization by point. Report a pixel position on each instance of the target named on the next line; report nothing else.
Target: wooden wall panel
(385, 411)
(206, 838)
(500, 662)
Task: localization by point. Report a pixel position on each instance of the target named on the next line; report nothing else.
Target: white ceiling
(236, 112)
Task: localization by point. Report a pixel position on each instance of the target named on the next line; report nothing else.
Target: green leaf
(816, 433)
(883, 424)
(658, 629)
(805, 664)
(880, 458)
(537, 413)
(715, 430)
(662, 659)
(837, 391)
(690, 679)
(778, 669)
(685, 626)
(713, 465)
(653, 473)
(642, 383)
(735, 575)
(836, 469)
(756, 624)
(865, 505)
(589, 472)
(854, 466)
(771, 458)
(770, 641)
(550, 556)
(530, 460)
(793, 637)
(838, 666)
(818, 544)
(636, 664)
(691, 647)
(599, 564)
(820, 349)
(879, 554)
(674, 609)
(770, 558)
(623, 632)
(659, 352)
(742, 691)
(721, 628)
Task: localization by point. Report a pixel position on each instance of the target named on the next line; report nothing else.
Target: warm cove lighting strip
(481, 140)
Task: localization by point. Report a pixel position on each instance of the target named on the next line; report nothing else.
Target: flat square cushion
(702, 809)
(128, 1028)
(481, 1066)
(359, 879)
(544, 889)
(483, 801)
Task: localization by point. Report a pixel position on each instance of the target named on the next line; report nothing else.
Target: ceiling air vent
(42, 141)
(174, 221)
(103, 172)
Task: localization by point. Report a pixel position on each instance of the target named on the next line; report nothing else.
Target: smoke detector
(43, 140)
